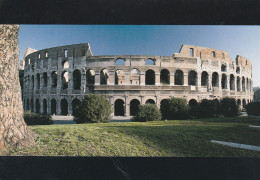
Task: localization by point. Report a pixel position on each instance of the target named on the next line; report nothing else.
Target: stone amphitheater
(56, 79)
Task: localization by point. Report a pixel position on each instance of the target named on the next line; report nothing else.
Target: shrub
(93, 109)
(37, 119)
(164, 108)
(253, 108)
(177, 109)
(229, 107)
(147, 112)
(194, 111)
(208, 108)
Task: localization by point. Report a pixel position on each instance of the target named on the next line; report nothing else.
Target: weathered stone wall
(179, 75)
(13, 130)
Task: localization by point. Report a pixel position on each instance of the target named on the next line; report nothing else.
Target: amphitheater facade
(56, 79)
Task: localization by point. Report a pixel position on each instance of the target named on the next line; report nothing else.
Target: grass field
(161, 138)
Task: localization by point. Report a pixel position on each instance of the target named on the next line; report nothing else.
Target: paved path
(58, 119)
(237, 145)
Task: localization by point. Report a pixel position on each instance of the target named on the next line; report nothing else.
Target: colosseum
(56, 79)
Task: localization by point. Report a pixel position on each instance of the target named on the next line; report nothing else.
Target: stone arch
(150, 77)
(134, 103)
(65, 79)
(54, 79)
(179, 77)
(76, 79)
(165, 76)
(32, 105)
(204, 78)
(232, 82)
(27, 104)
(119, 77)
(243, 84)
(45, 79)
(104, 77)
(119, 109)
(244, 103)
(193, 102)
(64, 106)
(215, 79)
(38, 106)
(75, 104)
(239, 102)
(65, 64)
(38, 84)
(238, 84)
(90, 77)
(223, 68)
(192, 78)
(238, 70)
(135, 77)
(150, 101)
(44, 106)
(224, 81)
(53, 106)
(120, 62)
(149, 61)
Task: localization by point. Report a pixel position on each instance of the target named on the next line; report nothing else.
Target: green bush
(194, 111)
(93, 109)
(177, 109)
(229, 107)
(147, 112)
(37, 119)
(253, 108)
(208, 108)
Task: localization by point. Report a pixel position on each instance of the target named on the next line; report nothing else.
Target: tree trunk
(13, 129)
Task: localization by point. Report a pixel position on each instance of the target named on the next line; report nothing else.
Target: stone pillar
(111, 100)
(70, 83)
(58, 106)
(185, 83)
(172, 79)
(111, 78)
(157, 78)
(69, 105)
(142, 78)
(97, 78)
(198, 79)
(142, 100)
(228, 82)
(127, 78)
(83, 82)
(127, 107)
(48, 105)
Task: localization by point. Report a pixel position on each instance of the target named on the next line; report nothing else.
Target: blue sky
(146, 40)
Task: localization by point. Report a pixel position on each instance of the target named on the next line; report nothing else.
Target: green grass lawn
(159, 138)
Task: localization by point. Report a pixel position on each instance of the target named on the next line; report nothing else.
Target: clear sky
(146, 40)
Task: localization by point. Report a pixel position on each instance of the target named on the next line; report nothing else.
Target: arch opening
(65, 79)
(192, 78)
(150, 101)
(45, 79)
(90, 77)
(204, 78)
(54, 79)
(243, 84)
(44, 106)
(53, 106)
(224, 81)
(32, 105)
(134, 107)
(215, 79)
(76, 79)
(135, 77)
(120, 62)
(38, 81)
(119, 77)
(119, 109)
(232, 82)
(165, 76)
(150, 77)
(179, 77)
(27, 105)
(193, 102)
(149, 62)
(37, 106)
(104, 77)
(238, 84)
(65, 64)
(64, 107)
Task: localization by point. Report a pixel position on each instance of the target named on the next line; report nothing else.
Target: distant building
(56, 79)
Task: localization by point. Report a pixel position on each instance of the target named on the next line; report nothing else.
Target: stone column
(83, 82)
(142, 78)
(198, 79)
(69, 105)
(185, 83)
(127, 107)
(172, 79)
(111, 78)
(127, 78)
(48, 105)
(70, 83)
(58, 106)
(157, 78)
(228, 82)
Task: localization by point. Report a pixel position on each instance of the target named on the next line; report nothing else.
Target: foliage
(37, 119)
(147, 112)
(93, 109)
(229, 107)
(164, 108)
(177, 109)
(208, 108)
(253, 108)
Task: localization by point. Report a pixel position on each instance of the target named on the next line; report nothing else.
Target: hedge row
(37, 119)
